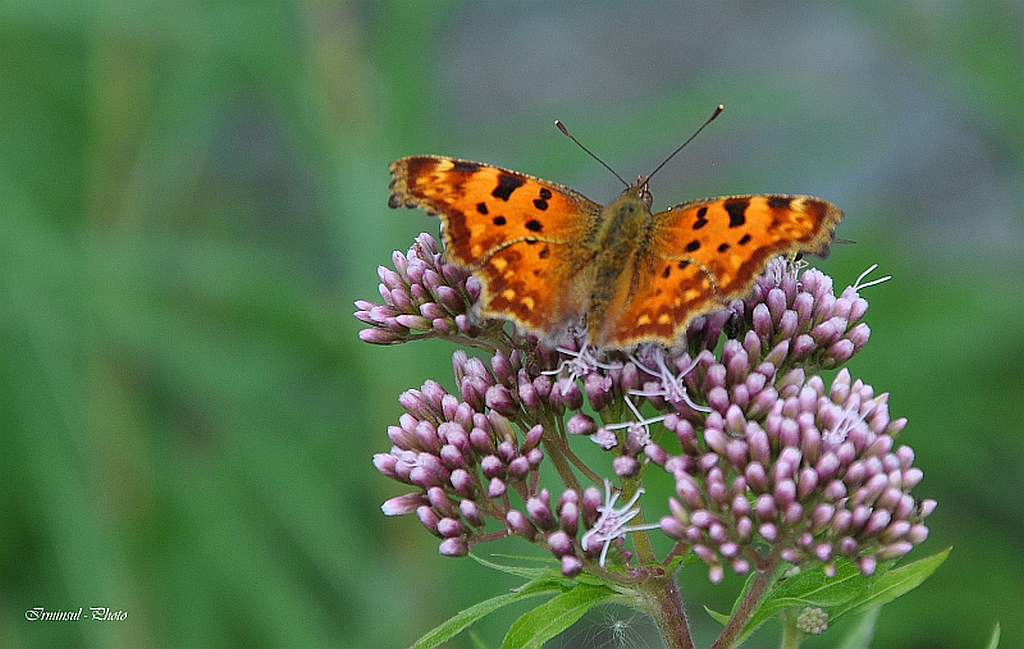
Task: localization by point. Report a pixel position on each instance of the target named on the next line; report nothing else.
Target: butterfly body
(623, 242)
(547, 256)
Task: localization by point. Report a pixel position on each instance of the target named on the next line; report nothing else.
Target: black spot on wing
(737, 210)
(779, 202)
(702, 218)
(465, 166)
(693, 246)
(482, 208)
(541, 203)
(745, 239)
(723, 247)
(499, 220)
(533, 225)
(507, 183)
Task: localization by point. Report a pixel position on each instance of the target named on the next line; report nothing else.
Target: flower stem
(642, 543)
(791, 636)
(661, 598)
(554, 451)
(763, 579)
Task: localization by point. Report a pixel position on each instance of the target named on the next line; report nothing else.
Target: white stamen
(847, 420)
(640, 421)
(673, 389)
(857, 286)
(581, 362)
(612, 522)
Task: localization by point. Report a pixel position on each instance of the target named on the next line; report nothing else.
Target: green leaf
(890, 585)
(860, 636)
(721, 618)
(455, 625)
(994, 640)
(846, 593)
(518, 571)
(546, 621)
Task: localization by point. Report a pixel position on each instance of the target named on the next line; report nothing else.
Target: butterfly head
(641, 190)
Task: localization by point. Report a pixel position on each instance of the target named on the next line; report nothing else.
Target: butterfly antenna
(566, 133)
(718, 111)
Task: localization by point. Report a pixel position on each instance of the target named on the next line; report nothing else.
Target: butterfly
(548, 258)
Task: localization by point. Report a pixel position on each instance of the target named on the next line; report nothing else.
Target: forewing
(707, 252)
(518, 234)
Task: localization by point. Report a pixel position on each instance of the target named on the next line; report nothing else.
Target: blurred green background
(192, 194)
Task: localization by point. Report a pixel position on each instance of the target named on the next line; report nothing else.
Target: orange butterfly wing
(705, 253)
(523, 237)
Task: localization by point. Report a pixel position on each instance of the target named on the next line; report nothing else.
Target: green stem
(763, 579)
(642, 543)
(791, 636)
(554, 451)
(660, 595)
(562, 456)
